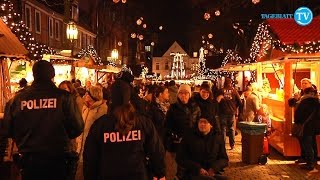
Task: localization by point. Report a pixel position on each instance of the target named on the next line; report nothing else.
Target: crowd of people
(128, 130)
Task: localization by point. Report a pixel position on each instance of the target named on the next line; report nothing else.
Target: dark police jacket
(108, 155)
(42, 119)
(202, 151)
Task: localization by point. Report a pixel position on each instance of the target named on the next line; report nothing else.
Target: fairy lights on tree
(18, 27)
(231, 57)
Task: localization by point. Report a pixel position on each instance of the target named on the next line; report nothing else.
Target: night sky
(181, 18)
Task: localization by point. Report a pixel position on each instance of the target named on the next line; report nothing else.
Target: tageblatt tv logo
(303, 16)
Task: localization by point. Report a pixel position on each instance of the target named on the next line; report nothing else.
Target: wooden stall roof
(10, 46)
(289, 32)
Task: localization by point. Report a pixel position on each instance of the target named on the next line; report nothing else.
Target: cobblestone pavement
(277, 167)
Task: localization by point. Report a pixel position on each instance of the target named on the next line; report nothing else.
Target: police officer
(118, 143)
(42, 120)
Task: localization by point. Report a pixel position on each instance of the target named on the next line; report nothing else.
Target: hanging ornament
(255, 1)
(217, 13)
(206, 16)
(140, 37)
(210, 36)
(133, 35)
(139, 22)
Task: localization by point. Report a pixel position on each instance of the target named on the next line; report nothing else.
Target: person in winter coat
(173, 91)
(118, 143)
(251, 105)
(93, 109)
(308, 108)
(228, 109)
(208, 105)
(181, 118)
(202, 154)
(158, 110)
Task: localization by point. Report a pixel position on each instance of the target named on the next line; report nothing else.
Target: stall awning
(10, 46)
(289, 32)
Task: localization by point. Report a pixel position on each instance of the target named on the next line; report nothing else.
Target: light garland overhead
(18, 27)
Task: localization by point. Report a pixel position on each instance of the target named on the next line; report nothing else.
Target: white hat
(185, 87)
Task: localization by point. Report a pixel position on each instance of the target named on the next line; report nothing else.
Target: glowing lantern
(116, 1)
(144, 25)
(160, 28)
(140, 37)
(139, 21)
(133, 35)
(210, 36)
(119, 43)
(217, 13)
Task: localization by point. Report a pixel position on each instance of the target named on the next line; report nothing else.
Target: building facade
(48, 22)
(163, 65)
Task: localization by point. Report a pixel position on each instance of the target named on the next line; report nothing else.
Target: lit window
(27, 17)
(37, 21)
(157, 66)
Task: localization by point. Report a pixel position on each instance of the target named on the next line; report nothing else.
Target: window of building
(166, 65)
(50, 27)
(57, 30)
(147, 48)
(75, 13)
(37, 21)
(27, 17)
(157, 66)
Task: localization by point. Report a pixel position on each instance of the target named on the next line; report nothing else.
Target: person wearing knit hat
(184, 93)
(181, 118)
(43, 71)
(203, 153)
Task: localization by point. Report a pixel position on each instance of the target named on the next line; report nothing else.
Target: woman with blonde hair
(94, 107)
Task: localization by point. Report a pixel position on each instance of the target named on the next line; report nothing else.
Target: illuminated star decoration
(18, 27)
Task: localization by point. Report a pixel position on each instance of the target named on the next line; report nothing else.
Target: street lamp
(114, 55)
(72, 34)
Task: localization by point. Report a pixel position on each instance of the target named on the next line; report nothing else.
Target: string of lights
(231, 57)
(92, 52)
(18, 27)
(264, 41)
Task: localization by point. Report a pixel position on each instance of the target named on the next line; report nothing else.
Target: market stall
(11, 50)
(285, 53)
(63, 66)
